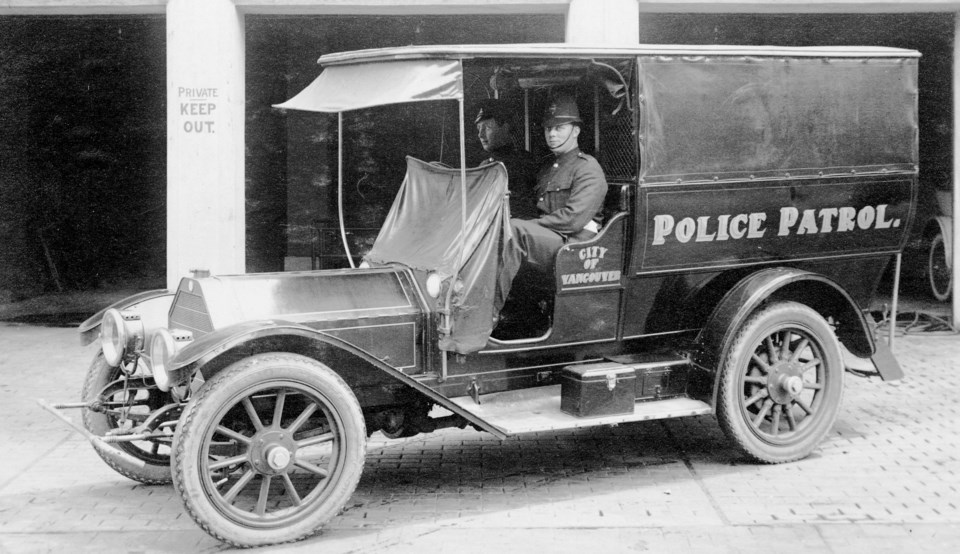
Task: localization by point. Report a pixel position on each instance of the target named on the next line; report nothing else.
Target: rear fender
(215, 351)
(782, 284)
(153, 307)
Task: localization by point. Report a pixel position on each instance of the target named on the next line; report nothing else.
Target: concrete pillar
(603, 22)
(205, 138)
(955, 269)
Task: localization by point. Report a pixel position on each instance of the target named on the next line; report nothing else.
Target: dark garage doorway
(83, 151)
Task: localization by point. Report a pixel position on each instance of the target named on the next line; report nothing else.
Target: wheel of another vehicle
(125, 405)
(781, 383)
(269, 450)
(938, 272)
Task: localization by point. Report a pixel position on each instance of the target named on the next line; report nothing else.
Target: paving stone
(887, 478)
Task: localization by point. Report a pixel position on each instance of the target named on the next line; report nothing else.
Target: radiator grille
(190, 312)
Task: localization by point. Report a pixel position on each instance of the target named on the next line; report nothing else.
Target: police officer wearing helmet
(570, 191)
(495, 130)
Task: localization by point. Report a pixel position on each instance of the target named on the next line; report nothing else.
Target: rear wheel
(781, 383)
(938, 272)
(123, 404)
(269, 449)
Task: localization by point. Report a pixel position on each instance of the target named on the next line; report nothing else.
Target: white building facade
(206, 95)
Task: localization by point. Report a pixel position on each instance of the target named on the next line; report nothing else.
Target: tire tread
(89, 389)
(724, 415)
(186, 426)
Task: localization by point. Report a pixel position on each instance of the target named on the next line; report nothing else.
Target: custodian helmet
(560, 110)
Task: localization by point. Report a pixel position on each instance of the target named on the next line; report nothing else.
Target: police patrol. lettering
(792, 221)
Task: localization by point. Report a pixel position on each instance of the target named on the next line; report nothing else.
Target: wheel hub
(785, 382)
(272, 452)
(793, 385)
(278, 457)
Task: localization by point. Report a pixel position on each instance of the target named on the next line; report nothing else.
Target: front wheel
(781, 383)
(121, 403)
(269, 450)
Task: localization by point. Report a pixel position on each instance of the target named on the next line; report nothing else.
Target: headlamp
(162, 349)
(163, 346)
(434, 284)
(120, 334)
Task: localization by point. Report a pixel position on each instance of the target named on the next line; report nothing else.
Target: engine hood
(309, 297)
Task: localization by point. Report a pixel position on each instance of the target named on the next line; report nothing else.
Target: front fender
(153, 306)
(203, 353)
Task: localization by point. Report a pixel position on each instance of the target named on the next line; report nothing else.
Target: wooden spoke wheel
(269, 450)
(781, 383)
(938, 271)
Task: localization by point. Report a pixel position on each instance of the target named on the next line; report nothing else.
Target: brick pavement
(887, 479)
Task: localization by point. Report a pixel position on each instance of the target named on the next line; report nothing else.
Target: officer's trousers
(534, 245)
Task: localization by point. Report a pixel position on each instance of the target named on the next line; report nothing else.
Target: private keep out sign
(197, 109)
(709, 227)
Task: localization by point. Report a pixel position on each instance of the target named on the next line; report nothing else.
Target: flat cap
(493, 108)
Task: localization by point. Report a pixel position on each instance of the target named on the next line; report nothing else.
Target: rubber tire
(228, 386)
(937, 249)
(99, 375)
(757, 327)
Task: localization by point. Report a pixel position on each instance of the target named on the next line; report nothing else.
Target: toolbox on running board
(599, 389)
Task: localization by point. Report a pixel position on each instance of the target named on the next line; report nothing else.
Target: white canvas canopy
(343, 88)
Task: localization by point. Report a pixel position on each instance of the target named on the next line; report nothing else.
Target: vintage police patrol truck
(756, 197)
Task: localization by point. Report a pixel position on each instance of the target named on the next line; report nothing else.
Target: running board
(538, 409)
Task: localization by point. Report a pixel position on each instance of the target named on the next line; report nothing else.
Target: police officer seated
(495, 129)
(570, 192)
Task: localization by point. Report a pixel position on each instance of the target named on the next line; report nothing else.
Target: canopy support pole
(526, 119)
(463, 189)
(596, 120)
(343, 228)
(447, 326)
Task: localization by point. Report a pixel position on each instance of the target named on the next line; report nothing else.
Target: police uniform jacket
(570, 192)
(522, 172)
